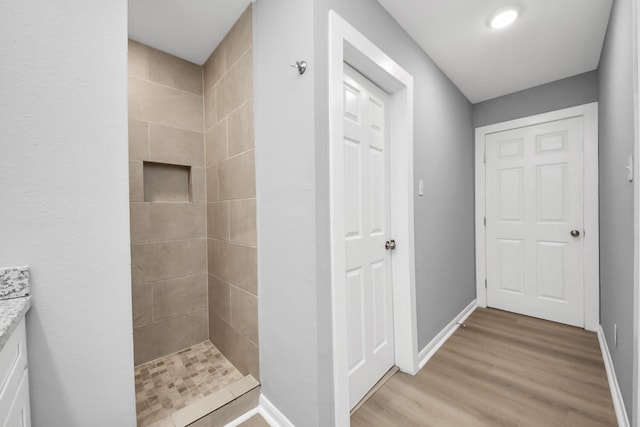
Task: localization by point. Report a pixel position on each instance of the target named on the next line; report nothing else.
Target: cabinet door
(19, 412)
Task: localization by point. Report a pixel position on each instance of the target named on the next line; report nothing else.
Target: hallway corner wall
(616, 140)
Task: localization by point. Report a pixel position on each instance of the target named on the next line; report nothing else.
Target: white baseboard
(272, 415)
(442, 337)
(616, 395)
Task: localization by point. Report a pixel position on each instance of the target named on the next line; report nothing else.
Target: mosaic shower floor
(168, 384)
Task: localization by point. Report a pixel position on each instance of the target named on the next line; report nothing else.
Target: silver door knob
(390, 245)
(575, 233)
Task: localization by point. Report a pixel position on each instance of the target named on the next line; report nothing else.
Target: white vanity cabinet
(14, 380)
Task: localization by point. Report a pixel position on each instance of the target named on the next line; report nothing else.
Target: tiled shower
(193, 232)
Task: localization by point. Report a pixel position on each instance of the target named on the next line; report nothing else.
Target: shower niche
(193, 233)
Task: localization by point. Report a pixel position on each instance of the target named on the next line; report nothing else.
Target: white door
(368, 264)
(534, 220)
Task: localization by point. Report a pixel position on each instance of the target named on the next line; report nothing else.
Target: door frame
(346, 44)
(591, 236)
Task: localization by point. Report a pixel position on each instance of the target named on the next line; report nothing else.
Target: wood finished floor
(503, 369)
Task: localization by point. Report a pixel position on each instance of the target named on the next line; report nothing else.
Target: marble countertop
(12, 311)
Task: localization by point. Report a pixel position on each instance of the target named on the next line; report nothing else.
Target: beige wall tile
(239, 38)
(212, 183)
(242, 222)
(152, 262)
(219, 299)
(176, 146)
(236, 264)
(215, 67)
(138, 60)
(236, 87)
(198, 185)
(136, 185)
(241, 352)
(142, 305)
(237, 177)
(138, 140)
(240, 129)
(139, 221)
(175, 72)
(160, 104)
(168, 336)
(210, 112)
(153, 222)
(179, 296)
(166, 183)
(216, 143)
(244, 313)
(218, 220)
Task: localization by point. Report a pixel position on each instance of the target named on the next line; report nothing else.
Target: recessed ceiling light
(504, 18)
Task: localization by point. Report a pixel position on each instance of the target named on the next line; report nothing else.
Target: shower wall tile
(176, 146)
(239, 38)
(218, 220)
(240, 125)
(210, 112)
(198, 185)
(179, 296)
(236, 87)
(242, 221)
(215, 67)
(216, 143)
(142, 305)
(154, 222)
(233, 263)
(212, 183)
(152, 262)
(174, 72)
(136, 188)
(219, 298)
(237, 177)
(241, 352)
(138, 60)
(169, 335)
(244, 313)
(160, 104)
(138, 140)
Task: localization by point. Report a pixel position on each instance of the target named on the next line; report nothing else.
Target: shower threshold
(178, 389)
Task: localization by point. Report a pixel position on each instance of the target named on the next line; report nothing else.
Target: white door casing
(534, 200)
(367, 227)
(547, 240)
(346, 44)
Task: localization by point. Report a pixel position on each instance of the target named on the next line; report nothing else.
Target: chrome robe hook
(301, 66)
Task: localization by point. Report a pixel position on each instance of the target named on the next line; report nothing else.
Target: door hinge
(485, 157)
(485, 283)
(485, 221)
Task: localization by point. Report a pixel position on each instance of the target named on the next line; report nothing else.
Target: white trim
(347, 44)
(616, 394)
(434, 345)
(591, 225)
(271, 414)
(635, 400)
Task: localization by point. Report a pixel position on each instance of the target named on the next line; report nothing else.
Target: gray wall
(565, 93)
(292, 166)
(616, 141)
(64, 187)
(286, 214)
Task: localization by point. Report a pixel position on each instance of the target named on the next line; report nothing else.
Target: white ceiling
(551, 40)
(189, 29)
